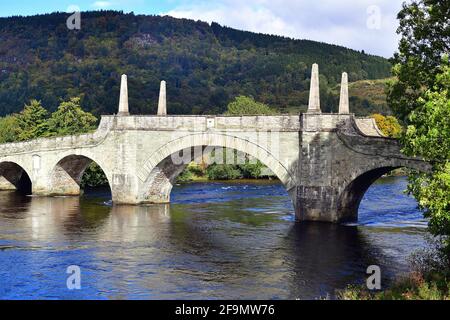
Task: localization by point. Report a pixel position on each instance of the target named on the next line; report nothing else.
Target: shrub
(223, 172)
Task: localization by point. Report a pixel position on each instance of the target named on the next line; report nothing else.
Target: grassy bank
(414, 286)
(429, 278)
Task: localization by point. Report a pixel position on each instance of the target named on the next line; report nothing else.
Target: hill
(205, 66)
(366, 96)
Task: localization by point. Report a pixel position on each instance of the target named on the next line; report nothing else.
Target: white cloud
(345, 22)
(102, 4)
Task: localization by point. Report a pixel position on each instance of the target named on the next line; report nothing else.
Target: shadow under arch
(14, 177)
(350, 198)
(67, 175)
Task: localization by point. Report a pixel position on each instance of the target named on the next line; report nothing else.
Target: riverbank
(411, 287)
(429, 278)
(224, 172)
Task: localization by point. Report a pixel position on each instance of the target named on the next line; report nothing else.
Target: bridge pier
(124, 189)
(317, 203)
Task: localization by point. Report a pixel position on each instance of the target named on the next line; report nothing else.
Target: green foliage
(409, 288)
(194, 172)
(419, 95)
(428, 132)
(366, 97)
(428, 280)
(432, 191)
(93, 177)
(243, 105)
(389, 125)
(70, 119)
(32, 122)
(223, 172)
(185, 176)
(428, 136)
(8, 127)
(204, 65)
(425, 39)
(251, 170)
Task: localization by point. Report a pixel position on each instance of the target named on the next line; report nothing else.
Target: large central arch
(159, 180)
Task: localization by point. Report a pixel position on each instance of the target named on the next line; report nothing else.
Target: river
(215, 241)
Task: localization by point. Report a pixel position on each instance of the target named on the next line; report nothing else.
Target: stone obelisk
(344, 105)
(123, 101)
(314, 94)
(162, 104)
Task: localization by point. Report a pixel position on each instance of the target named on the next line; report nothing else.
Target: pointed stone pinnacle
(314, 93)
(344, 105)
(162, 104)
(123, 102)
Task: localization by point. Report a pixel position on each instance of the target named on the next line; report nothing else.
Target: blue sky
(30, 7)
(358, 24)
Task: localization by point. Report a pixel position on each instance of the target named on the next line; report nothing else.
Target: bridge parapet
(58, 143)
(204, 123)
(311, 122)
(368, 127)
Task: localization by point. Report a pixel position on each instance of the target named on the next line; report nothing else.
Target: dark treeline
(206, 66)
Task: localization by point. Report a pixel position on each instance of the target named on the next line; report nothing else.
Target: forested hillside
(205, 66)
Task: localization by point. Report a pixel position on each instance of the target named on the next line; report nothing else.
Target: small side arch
(354, 188)
(66, 176)
(14, 176)
(159, 179)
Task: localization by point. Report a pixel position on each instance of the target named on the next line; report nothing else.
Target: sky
(367, 25)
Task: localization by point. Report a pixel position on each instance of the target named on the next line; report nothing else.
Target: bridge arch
(359, 181)
(158, 181)
(15, 176)
(66, 175)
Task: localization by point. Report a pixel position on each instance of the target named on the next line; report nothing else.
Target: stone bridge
(325, 161)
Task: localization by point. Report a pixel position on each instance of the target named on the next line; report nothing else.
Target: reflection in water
(215, 241)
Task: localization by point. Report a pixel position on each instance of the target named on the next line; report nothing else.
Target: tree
(223, 172)
(32, 122)
(94, 177)
(419, 95)
(251, 170)
(8, 126)
(425, 39)
(428, 136)
(243, 105)
(389, 125)
(71, 119)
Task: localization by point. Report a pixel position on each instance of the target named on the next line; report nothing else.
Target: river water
(215, 241)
